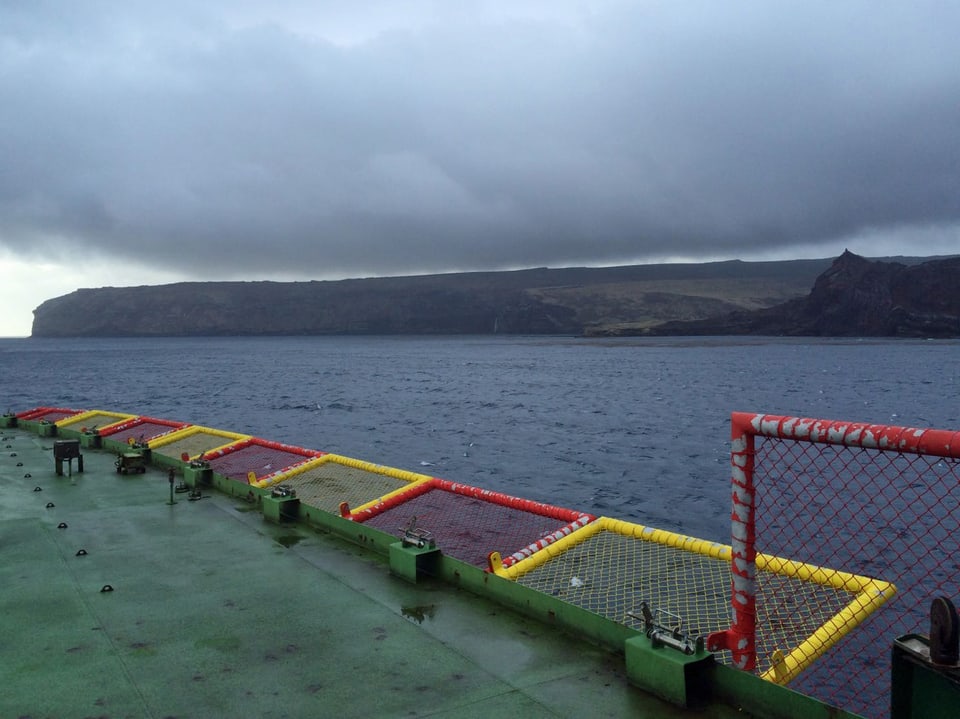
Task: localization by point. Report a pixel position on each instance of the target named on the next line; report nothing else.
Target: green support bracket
(197, 475)
(281, 508)
(681, 679)
(90, 439)
(8, 420)
(47, 429)
(410, 561)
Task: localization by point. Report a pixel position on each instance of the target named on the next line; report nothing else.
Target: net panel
(685, 582)
(880, 513)
(465, 527)
(93, 419)
(256, 458)
(610, 574)
(141, 432)
(325, 485)
(48, 414)
(192, 443)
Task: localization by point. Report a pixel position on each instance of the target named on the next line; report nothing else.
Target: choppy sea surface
(636, 429)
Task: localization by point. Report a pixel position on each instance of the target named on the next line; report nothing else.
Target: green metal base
(90, 440)
(281, 509)
(681, 679)
(410, 562)
(197, 477)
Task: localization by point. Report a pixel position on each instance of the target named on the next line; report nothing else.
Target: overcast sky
(149, 142)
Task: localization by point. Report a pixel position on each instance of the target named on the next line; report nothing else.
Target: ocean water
(636, 429)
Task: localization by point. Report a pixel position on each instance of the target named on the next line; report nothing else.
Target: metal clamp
(419, 538)
(670, 635)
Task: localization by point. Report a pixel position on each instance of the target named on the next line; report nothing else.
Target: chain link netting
(882, 514)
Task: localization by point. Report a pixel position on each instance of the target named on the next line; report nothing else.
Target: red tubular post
(740, 638)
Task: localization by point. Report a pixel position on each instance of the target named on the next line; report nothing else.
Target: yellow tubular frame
(196, 429)
(869, 594)
(83, 416)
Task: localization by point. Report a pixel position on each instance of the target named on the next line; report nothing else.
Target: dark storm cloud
(308, 141)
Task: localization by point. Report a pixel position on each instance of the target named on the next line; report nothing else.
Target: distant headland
(855, 297)
(850, 296)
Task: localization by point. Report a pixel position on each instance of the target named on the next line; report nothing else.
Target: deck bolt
(62, 525)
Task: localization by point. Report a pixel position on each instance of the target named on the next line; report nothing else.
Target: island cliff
(855, 297)
(536, 301)
(852, 296)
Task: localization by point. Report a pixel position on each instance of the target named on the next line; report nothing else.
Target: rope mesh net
(192, 444)
(92, 420)
(141, 432)
(467, 528)
(260, 460)
(52, 415)
(325, 486)
(610, 574)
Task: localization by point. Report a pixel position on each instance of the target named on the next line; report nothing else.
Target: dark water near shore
(634, 429)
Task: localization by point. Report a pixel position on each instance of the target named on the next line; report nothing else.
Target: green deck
(217, 612)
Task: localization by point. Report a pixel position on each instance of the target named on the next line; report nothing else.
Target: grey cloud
(236, 141)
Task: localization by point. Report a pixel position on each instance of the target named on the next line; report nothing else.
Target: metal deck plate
(216, 612)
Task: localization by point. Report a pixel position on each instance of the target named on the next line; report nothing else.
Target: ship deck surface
(216, 612)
